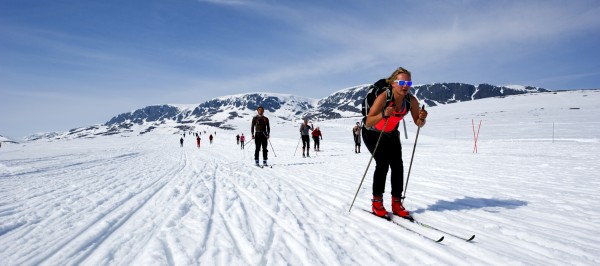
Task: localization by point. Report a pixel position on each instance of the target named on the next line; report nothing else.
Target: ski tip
(388, 216)
(440, 240)
(471, 238)
(410, 218)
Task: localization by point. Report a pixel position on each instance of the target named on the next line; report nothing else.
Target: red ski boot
(377, 207)
(398, 209)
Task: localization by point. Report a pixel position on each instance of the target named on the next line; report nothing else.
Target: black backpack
(379, 87)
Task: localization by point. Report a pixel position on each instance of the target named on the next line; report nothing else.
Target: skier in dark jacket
(260, 130)
(356, 133)
(304, 128)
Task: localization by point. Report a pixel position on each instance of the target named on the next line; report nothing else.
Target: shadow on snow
(469, 203)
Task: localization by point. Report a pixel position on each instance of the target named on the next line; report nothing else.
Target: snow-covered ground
(530, 194)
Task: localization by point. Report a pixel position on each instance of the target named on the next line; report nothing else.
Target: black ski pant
(260, 139)
(317, 143)
(387, 156)
(305, 143)
(356, 142)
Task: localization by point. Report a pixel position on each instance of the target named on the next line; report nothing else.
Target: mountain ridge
(220, 112)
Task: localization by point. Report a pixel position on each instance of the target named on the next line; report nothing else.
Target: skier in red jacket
(316, 134)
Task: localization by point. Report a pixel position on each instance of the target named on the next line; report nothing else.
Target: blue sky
(73, 63)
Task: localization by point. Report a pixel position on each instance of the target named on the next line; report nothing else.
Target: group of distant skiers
(317, 136)
(210, 138)
(240, 140)
(260, 130)
(378, 129)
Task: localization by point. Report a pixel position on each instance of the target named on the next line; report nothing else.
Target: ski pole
(297, 145)
(272, 148)
(405, 133)
(369, 164)
(411, 160)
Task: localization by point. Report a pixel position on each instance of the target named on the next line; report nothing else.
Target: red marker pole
(475, 135)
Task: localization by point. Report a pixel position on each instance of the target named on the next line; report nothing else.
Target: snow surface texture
(530, 194)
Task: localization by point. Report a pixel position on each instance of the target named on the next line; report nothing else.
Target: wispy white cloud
(337, 42)
(493, 29)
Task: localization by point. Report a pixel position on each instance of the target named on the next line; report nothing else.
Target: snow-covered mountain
(227, 111)
(5, 139)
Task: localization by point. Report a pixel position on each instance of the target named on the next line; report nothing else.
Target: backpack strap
(389, 100)
(389, 96)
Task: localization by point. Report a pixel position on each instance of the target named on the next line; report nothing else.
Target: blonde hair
(400, 70)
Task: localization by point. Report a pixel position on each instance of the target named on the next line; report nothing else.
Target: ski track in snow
(530, 198)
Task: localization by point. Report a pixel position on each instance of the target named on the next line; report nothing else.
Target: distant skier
(316, 134)
(260, 126)
(198, 141)
(242, 139)
(181, 141)
(356, 133)
(210, 138)
(304, 128)
(238, 138)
